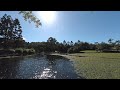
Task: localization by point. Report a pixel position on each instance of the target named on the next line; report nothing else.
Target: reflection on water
(37, 67)
(46, 74)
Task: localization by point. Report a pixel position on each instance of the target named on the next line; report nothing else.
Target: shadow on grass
(82, 56)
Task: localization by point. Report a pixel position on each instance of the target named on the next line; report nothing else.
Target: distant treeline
(52, 45)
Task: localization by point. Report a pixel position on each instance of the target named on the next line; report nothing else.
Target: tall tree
(9, 30)
(51, 42)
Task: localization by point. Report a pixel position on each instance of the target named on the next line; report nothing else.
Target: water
(37, 67)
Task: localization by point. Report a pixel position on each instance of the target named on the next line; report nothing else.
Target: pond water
(37, 67)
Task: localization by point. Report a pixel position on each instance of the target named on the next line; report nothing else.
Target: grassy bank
(94, 65)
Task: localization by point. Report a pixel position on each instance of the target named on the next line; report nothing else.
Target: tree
(117, 46)
(97, 46)
(29, 16)
(10, 30)
(105, 46)
(64, 43)
(68, 43)
(70, 50)
(52, 40)
(71, 43)
(78, 42)
(110, 41)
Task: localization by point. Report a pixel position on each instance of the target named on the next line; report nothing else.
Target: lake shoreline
(93, 65)
(64, 55)
(5, 57)
(13, 56)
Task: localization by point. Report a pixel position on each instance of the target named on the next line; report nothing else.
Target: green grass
(92, 65)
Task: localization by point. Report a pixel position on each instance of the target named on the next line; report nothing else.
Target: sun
(47, 16)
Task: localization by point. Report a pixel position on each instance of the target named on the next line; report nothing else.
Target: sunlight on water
(46, 74)
(37, 67)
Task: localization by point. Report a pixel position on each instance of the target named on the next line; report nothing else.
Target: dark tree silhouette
(10, 30)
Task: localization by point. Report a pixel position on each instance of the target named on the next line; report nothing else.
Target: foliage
(10, 32)
(19, 51)
(73, 50)
(11, 50)
(23, 51)
(108, 47)
(9, 28)
(70, 50)
(29, 16)
(31, 51)
(52, 45)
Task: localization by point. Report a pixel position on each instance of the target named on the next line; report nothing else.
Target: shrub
(11, 51)
(70, 50)
(25, 51)
(19, 51)
(28, 51)
(73, 50)
(31, 51)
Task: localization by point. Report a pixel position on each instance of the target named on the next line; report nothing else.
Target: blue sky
(87, 26)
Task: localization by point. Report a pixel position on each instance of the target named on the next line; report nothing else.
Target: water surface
(37, 67)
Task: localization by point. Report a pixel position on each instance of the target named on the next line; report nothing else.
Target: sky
(88, 26)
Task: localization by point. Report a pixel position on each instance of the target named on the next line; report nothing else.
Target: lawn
(93, 65)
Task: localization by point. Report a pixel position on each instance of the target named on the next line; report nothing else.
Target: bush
(11, 51)
(28, 51)
(73, 50)
(25, 51)
(70, 50)
(31, 51)
(19, 51)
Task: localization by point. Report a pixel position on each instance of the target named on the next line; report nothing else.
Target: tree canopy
(30, 17)
(10, 31)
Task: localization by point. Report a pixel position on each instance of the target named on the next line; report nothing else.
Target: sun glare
(47, 16)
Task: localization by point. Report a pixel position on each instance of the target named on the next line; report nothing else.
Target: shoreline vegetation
(93, 65)
(18, 52)
(7, 57)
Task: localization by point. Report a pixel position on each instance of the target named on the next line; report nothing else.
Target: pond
(37, 67)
